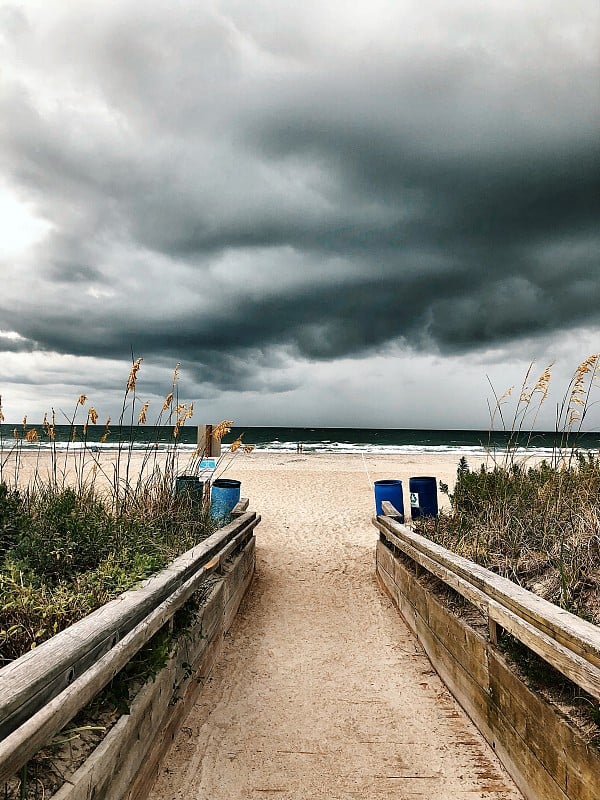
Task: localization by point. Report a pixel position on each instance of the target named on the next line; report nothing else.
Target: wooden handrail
(36, 678)
(569, 643)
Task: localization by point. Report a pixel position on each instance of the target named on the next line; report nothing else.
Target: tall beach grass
(81, 524)
(534, 521)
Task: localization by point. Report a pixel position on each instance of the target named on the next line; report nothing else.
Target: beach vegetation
(534, 520)
(80, 524)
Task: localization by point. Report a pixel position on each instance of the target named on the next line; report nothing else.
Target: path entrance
(322, 691)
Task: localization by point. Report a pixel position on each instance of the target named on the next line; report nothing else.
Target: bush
(537, 525)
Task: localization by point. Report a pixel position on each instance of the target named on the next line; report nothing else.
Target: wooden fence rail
(567, 642)
(44, 689)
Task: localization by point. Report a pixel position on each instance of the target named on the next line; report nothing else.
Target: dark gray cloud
(239, 186)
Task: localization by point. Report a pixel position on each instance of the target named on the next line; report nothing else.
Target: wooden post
(208, 446)
(494, 630)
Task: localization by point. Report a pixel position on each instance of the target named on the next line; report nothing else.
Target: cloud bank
(245, 186)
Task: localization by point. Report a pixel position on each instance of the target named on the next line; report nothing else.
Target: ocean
(313, 440)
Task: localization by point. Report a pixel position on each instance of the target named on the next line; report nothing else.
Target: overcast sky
(341, 213)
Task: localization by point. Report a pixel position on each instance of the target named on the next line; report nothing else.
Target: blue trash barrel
(189, 488)
(423, 497)
(390, 490)
(224, 496)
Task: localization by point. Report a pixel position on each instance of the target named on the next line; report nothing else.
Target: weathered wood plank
(466, 649)
(553, 765)
(242, 580)
(141, 785)
(17, 748)
(570, 663)
(29, 682)
(390, 510)
(531, 777)
(447, 575)
(388, 583)
(576, 634)
(126, 762)
(574, 666)
(240, 507)
(573, 764)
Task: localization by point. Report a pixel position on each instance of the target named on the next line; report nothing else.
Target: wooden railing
(45, 688)
(567, 642)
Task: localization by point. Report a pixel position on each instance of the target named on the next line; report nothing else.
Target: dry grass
(538, 525)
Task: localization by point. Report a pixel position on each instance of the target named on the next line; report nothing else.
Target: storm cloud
(242, 186)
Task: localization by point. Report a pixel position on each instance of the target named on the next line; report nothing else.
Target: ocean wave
(277, 446)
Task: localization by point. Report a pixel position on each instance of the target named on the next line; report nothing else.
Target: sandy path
(322, 692)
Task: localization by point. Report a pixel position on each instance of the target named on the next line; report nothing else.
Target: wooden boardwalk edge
(126, 763)
(545, 755)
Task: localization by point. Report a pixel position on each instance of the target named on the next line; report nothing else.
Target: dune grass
(84, 526)
(536, 522)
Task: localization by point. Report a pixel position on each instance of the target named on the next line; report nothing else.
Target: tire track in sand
(322, 692)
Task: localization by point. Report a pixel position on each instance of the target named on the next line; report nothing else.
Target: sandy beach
(336, 473)
(321, 691)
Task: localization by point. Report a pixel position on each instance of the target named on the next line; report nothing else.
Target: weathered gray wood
(140, 786)
(29, 682)
(239, 580)
(125, 764)
(544, 753)
(570, 663)
(110, 769)
(576, 634)
(235, 543)
(240, 507)
(208, 446)
(390, 510)
(17, 748)
(462, 586)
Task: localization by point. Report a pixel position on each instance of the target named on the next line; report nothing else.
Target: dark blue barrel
(423, 497)
(390, 490)
(224, 496)
(190, 489)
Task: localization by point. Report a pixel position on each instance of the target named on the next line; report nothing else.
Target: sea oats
(1, 414)
(222, 429)
(133, 375)
(24, 422)
(143, 412)
(93, 415)
(32, 435)
(168, 401)
(543, 382)
(106, 433)
(82, 399)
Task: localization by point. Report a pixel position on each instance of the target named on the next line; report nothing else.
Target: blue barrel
(190, 489)
(423, 497)
(390, 490)
(224, 496)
